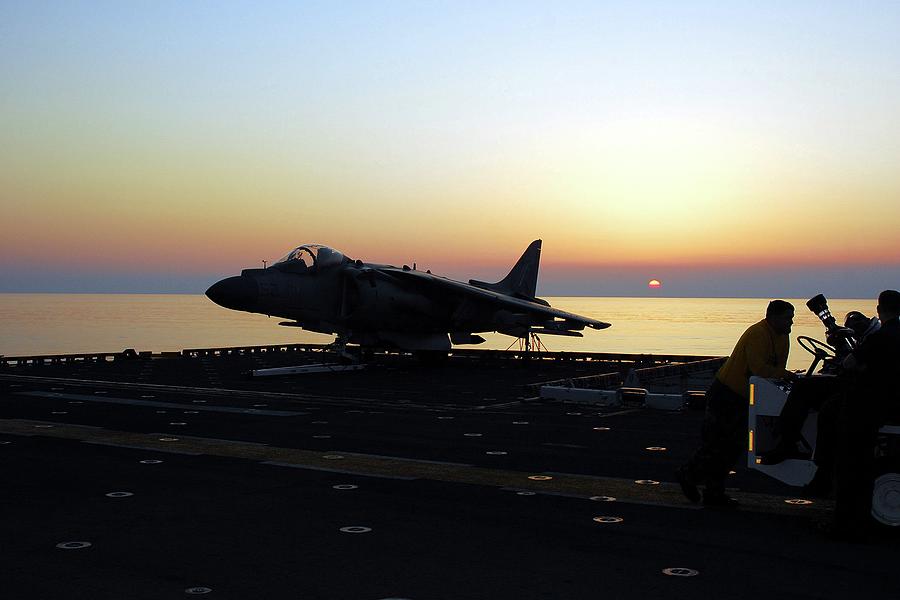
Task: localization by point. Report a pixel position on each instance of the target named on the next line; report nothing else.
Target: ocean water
(70, 323)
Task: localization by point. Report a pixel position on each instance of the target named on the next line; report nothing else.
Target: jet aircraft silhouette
(319, 289)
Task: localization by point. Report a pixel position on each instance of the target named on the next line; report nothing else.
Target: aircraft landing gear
(530, 342)
(339, 347)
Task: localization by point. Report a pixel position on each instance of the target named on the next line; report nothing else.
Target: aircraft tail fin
(522, 280)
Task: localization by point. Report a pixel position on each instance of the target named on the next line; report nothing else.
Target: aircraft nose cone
(236, 293)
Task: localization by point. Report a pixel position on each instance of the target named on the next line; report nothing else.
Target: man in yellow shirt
(763, 351)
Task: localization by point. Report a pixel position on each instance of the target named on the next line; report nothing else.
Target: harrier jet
(319, 289)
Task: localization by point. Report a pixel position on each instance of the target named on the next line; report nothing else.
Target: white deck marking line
(145, 448)
(404, 459)
(619, 412)
(217, 391)
(620, 501)
(341, 471)
(58, 424)
(309, 401)
(627, 480)
(500, 405)
(155, 404)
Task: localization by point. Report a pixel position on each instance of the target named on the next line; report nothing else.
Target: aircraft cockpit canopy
(312, 256)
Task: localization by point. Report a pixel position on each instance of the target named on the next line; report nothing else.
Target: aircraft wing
(541, 313)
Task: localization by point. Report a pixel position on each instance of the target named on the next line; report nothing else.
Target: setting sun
(654, 283)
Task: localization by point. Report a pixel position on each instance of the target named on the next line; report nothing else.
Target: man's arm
(857, 360)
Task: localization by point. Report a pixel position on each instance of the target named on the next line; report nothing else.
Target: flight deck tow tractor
(767, 398)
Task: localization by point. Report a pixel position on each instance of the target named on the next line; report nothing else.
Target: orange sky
(649, 137)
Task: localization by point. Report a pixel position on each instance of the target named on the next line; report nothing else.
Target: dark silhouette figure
(762, 350)
(821, 393)
(872, 397)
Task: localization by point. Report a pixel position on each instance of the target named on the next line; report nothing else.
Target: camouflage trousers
(723, 438)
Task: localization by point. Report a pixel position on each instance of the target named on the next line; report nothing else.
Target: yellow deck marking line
(565, 484)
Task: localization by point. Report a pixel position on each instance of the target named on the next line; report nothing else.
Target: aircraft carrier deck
(175, 475)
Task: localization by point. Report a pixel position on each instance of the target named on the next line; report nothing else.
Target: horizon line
(624, 296)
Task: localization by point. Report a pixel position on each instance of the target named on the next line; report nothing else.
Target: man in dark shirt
(874, 396)
(877, 359)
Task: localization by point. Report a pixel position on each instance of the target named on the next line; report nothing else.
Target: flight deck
(140, 475)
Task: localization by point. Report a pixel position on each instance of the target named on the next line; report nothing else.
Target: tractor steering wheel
(818, 349)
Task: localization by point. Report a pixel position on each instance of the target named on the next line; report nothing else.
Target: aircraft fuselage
(321, 290)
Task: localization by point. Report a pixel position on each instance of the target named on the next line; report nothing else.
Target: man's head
(780, 315)
(858, 322)
(888, 305)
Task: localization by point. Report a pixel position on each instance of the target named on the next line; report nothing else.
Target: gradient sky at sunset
(733, 149)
